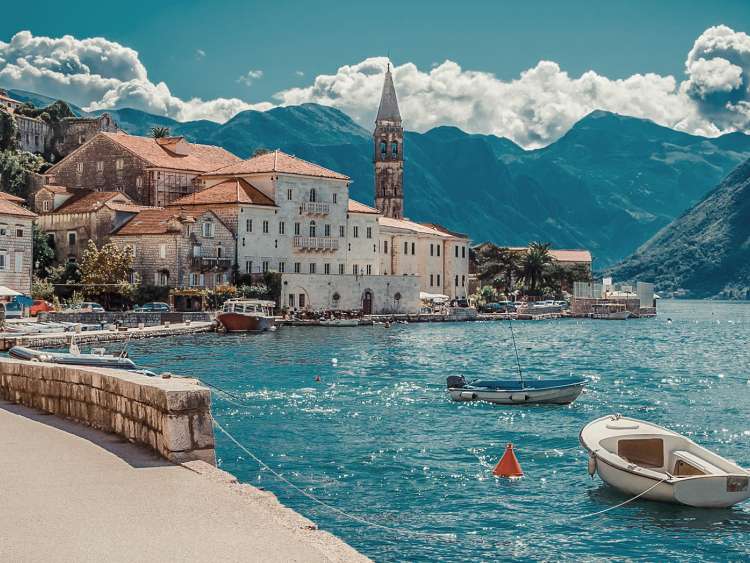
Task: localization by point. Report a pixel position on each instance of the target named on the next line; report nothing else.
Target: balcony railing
(316, 243)
(315, 208)
(211, 263)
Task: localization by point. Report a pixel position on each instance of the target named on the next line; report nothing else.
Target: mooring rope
(623, 503)
(325, 504)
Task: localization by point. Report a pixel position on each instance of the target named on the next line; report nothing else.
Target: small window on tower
(394, 149)
(383, 148)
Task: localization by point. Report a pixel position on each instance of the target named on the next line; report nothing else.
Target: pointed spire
(388, 110)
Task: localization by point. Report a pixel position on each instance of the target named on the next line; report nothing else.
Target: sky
(526, 70)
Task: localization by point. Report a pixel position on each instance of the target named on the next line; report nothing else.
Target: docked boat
(646, 460)
(99, 359)
(339, 322)
(610, 311)
(514, 392)
(247, 315)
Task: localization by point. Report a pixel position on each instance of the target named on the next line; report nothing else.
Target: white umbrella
(8, 292)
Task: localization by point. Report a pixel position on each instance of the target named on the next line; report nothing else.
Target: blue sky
(202, 49)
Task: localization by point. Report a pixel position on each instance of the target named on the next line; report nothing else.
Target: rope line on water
(324, 504)
(623, 503)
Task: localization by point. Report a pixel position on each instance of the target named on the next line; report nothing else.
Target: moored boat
(339, 322)
(610, 311)
(655, 463)
(247, 315)
(514, 392)
(101, 359)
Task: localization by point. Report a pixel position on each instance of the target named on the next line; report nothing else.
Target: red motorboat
(247, 315)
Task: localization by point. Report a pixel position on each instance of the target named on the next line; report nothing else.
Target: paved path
(71, 493)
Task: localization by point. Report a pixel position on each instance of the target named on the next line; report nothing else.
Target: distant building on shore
(16, 244)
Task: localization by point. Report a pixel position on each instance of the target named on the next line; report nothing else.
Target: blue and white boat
(516, 392)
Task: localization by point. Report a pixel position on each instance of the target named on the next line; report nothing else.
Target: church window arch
(383, 147)
(394, 148)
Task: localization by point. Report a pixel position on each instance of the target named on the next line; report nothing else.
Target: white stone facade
(16, 252)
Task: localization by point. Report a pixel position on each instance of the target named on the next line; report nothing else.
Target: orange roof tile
(9, 208)
(126, 207)
(418, 228)
(55, 189)
(442, 229)
(233, 190)
(10, 197)
(357, 207)
(85, 201)
(277, 161)
(155, 221)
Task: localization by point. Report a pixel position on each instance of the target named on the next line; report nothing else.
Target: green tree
(44, 252)
(534, 263)
(159, 132)
(105, 271)
(8, 131)
(42, 289)
(15, 168)
(497, 266)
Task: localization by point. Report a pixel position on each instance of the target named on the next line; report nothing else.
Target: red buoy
(508, 465)
(317, 378)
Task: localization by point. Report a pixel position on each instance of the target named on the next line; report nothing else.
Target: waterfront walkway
(71, 493)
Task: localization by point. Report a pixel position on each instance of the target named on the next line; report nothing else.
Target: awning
(8, 292)
(435, 297)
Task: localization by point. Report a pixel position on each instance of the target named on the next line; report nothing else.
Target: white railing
(316, 243)
(315, 208)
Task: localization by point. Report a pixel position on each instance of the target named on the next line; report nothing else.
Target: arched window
(313, 195)
(394, 148)
(312, 228)
(383, 147)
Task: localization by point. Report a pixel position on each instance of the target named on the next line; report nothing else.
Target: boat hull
(237, 322)
(561, 395)
(91, 360)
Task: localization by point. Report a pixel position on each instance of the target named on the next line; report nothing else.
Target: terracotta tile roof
(442, 229)
(55, 189)
(151, 221)
(126, 207)
(357, 207)
(233, 190)
(277, 161)
(10, 197)
(9, 208)
(85, 201)
(417, 228)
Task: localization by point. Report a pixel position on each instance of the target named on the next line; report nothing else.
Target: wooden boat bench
(687, 464)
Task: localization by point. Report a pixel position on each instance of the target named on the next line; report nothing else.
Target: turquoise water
(378, 437)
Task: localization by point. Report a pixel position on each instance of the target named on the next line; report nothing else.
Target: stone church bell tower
(389, 153)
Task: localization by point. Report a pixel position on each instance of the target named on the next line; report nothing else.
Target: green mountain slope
(706, 251)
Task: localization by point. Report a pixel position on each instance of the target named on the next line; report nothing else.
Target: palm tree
(497, 266)
(534, 262)
(159, 132)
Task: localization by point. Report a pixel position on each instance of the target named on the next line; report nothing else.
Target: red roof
(277, 161)
(86, 201)
(233, 190)
(10, 197)
(7, 207)
(357, 207)
(55, 189)
(152, 221)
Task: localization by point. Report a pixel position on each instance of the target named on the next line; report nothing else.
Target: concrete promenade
(72, 493)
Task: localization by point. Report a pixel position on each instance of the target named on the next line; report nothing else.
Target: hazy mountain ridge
(609, 184)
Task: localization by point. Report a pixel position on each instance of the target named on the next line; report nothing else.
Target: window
(193, 279)
(354, 269)
(219, 251)
(312, 267)
(45, 205)
(383, 147)
(369, 269)
(341, 269)
(356, 231)
(19, 261)
(456, 280)
(327, 230)
(296, 229)
(413, 249)
(36, 140)
(312, 228)
(196, 251)
(265, 227)
(297, 267)
(342, 231)
(456, 251)
(394, 148)
(326, 269)
(79, 167)
(437, 246)
(71, 239)
(289, 197)
(302, 300)
(291, 300)
(139, 182)
(3, 259)
(100, 166)
(265, 266)
(207, 229)
(19, 231)
(385, 247)
(431, 250)
(282, 227)
(313, 195)
(248, 266)
(335, 198)
(249, 225)
(431, 280)
(438, 279)
(463, 281)
(119, 163)
(3, 229)
(369, 232)
(162, 251)
(463, 252)
(282, 267)
(406, 248)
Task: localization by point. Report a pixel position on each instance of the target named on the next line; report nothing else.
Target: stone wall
(172, 416)
(17, 252)
(129, 319)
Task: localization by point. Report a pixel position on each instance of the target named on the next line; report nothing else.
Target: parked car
(13, 310)
(40, 306)
(155, 306)
(499, 307)
(91, 307)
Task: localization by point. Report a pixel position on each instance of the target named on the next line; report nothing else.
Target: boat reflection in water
(247, 315)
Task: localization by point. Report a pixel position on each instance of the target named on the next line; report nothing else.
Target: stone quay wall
(130, 319)
(170, 415)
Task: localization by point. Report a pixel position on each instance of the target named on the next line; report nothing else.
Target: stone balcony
(315, 208)
(316, 243)
(204, 263)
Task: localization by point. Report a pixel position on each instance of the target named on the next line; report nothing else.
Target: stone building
(388, 140)
(177, 248)
(150, 171)
(80, 215)
(16, 244)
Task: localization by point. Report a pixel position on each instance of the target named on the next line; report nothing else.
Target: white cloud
(299, 73)
(200, 54)
(97, 73)
(250, 76)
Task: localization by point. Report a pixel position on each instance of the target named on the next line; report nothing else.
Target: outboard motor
(456, 381)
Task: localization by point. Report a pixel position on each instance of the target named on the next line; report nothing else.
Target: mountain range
(608, 185)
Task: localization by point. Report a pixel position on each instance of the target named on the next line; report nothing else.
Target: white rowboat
(644, 459)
